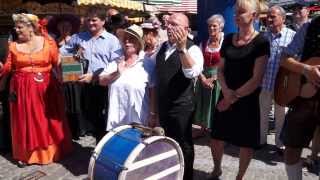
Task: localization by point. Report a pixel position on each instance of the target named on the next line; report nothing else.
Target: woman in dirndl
(40, 133)
(207, 87)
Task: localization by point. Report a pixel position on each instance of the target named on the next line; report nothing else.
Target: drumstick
(147, 131)
(159, 131)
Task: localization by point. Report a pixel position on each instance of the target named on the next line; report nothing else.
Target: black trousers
(74, 95)
(96, 106)
(5, 126)
(178, 125)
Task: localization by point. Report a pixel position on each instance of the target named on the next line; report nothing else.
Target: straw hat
(134, 31)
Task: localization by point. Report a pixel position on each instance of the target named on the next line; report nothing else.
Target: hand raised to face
(178, 29)
(181, 35)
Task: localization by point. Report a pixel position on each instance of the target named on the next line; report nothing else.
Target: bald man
(110, 12)
(178, 64)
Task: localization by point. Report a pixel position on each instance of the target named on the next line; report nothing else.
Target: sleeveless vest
(174, 90)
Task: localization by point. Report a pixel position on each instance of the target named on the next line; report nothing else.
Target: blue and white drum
(125, 154)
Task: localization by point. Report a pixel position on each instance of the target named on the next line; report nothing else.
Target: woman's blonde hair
(29, 19)
(257, 6)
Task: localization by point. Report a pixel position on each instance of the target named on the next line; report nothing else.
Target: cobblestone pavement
(266, 165)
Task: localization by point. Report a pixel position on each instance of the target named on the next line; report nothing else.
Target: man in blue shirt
(279, 37)
(99, 48)
(300, 15)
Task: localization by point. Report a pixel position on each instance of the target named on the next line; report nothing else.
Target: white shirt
(195, 53)
(129, 94)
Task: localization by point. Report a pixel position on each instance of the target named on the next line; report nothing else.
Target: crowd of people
(154, 74)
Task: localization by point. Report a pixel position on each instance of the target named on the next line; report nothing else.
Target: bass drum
(125, 154)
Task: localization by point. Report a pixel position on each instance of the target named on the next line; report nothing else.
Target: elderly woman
(243, 60)
(131, 83)
(39, 130)
(151, 36)
(207, 89)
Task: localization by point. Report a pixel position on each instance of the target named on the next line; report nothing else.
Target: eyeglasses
(174, 25)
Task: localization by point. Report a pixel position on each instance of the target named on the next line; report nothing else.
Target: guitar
(289, 85)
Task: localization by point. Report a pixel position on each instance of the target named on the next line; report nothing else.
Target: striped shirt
(277, 43)
(99, 51)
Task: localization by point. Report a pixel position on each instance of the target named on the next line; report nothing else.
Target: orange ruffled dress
(40, 133)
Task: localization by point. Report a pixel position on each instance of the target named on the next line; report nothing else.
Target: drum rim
(97, 150)
(137, 150)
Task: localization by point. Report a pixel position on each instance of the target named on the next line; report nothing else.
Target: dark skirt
(240, 124)
(206, 100)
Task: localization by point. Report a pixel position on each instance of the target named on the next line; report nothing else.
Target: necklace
(132, 63)
(38, 77)
(129, 65)
(214, 43)
(245, 41)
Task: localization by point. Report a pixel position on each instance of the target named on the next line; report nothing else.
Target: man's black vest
(174, 90)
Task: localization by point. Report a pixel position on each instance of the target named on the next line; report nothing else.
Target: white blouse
(129, 95)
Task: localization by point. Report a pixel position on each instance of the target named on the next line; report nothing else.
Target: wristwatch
(182, 51)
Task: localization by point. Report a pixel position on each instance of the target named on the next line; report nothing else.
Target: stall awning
(126, 4)
(160, 2)
(188, 6)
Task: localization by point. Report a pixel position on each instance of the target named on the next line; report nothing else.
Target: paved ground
(267, 165)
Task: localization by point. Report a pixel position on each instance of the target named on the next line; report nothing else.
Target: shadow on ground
(267, 154)
(78, 161)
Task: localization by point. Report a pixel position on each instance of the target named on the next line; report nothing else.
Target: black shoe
(215, 176)
(21, 164)
(280, 151)
(82, 133)
(89, 133)
(312, 165)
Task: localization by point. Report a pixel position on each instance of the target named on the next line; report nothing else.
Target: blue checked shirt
(99, 51)
(295, 48)
(277, 44)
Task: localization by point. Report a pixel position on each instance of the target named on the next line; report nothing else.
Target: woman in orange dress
(40, 134)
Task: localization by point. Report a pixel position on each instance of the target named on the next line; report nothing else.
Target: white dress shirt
(195, 53)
